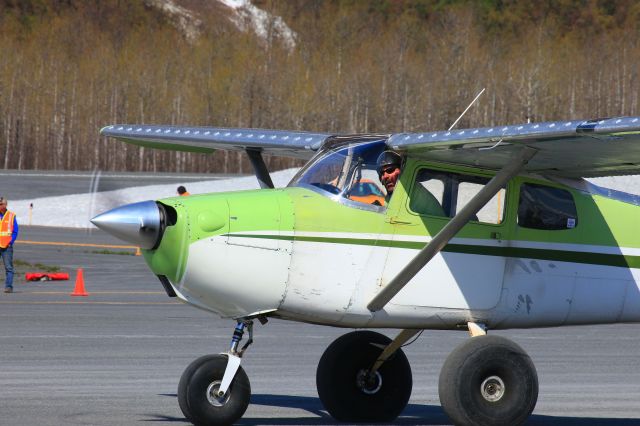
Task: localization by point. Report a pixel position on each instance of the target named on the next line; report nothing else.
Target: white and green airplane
(486, 229)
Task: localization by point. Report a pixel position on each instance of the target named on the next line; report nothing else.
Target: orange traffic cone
(79, 290)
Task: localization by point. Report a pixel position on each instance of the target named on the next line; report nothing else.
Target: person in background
(8, 235)
(182, 191)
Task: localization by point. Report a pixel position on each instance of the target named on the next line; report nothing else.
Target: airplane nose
(141, 223)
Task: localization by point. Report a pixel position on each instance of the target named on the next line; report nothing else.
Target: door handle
(395, 221)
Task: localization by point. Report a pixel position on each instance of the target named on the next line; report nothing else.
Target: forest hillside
(70, 67)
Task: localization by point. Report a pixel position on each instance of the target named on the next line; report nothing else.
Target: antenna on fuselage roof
(467, 109)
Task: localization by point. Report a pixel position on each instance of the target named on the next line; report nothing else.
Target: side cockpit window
(444, 194)
(544, 207)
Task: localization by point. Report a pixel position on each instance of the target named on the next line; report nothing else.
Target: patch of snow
(629, 184)
(235, 4)
(248, 15)
(183, 19)
(74, 211)
(245, 16)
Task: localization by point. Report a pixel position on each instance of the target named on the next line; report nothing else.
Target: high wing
(576, 148)
(582, 148)
(208, 139)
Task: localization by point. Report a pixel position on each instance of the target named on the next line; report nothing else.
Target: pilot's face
(389, 177)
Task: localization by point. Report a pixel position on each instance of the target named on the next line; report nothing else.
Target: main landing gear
(351, 390)
(363, 376)
(214, 389)
(488, 380)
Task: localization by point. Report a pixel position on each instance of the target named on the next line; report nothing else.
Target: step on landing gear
(214, 389)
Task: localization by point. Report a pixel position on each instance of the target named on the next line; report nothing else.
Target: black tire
(341, 385)
(203, 409)
(184, 382)
(475, 372)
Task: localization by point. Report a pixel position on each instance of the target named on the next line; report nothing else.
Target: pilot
(389, 164)
(421, 200)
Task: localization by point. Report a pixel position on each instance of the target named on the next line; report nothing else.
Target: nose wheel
(214, 389)
(198, 392)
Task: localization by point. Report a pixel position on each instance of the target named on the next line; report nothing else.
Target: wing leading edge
(208, 139)
(576, 148)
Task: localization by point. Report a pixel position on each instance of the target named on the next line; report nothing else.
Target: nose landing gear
(214, 389)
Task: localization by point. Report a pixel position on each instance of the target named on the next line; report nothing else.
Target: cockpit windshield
(346, 173)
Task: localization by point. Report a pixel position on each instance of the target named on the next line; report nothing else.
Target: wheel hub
(369, 383)
(492, 389)
(213, 394)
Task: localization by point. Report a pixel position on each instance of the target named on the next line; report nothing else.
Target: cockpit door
(468, 272)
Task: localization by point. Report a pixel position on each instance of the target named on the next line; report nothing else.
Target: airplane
(519, 240)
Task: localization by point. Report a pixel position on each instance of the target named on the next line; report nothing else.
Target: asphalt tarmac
(115, 356)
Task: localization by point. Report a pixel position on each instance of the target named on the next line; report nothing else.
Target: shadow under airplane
(414, 414)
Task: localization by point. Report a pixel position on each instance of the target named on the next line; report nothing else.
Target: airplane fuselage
(299, 254)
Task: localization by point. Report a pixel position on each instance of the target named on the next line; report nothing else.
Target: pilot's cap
(388, 158)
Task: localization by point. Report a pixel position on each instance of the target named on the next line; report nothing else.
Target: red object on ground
(79, 289)
(46, 276)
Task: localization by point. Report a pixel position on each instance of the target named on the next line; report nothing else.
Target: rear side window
(544, 207)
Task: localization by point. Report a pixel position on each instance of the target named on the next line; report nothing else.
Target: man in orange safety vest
(8, 235)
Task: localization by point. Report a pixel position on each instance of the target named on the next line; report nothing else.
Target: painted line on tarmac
(114, 336)
(59, 243)
(97, 292)
(24, 302)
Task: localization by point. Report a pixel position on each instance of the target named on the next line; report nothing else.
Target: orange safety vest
(6, 229)
(185, 194)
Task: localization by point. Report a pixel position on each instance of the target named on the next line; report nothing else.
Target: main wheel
(197, 392)
(347, 390)
(488, 380)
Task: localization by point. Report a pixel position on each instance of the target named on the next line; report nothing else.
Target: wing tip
(106, 129)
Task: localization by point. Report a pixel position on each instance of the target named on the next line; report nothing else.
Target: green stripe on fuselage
(590, 258)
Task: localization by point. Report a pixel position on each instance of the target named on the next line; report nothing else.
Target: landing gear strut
(214, 389)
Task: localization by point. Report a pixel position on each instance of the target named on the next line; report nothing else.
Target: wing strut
(262, 173)
(441, 239)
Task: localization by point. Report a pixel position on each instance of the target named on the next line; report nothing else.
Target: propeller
(141, 223)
